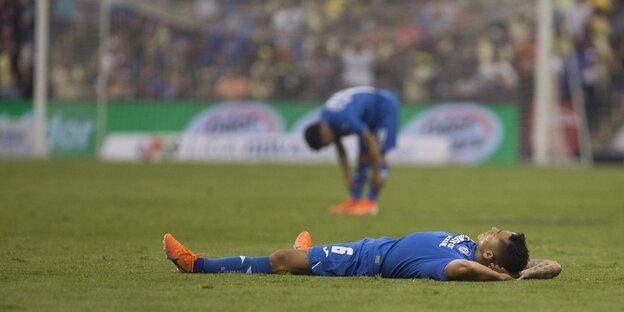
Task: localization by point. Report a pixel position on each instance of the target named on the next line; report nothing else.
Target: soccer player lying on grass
(497, 256)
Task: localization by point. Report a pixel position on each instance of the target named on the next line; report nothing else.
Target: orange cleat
(181, 256)
(363, 207)
(303, 241)
(343, 207)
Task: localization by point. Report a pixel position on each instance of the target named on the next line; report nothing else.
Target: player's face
(494, 238)
(327, 135)
(326, 140)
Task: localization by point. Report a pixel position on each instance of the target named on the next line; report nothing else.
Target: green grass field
(86, 235)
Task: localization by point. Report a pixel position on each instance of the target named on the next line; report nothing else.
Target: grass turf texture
(85, 235)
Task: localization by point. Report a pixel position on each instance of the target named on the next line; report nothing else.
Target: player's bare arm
(540, 269)
(466, 270)
(375, 157)
(343, 161)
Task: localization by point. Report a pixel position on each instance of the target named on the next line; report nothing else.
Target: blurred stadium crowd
(426, 50)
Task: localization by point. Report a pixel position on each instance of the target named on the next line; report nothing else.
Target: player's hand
(524, 274)
(502, 270)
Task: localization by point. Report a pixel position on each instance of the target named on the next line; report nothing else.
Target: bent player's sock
(358, 180)
(373, 192)
(239, 264)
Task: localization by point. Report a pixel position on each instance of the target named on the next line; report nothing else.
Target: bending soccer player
(371, 114)
(497, 256)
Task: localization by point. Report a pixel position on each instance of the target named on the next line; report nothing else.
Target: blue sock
(373, 192)
(358, 180)
(239, 264)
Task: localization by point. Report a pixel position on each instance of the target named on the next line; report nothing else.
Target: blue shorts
(385, 129)
(348, 259)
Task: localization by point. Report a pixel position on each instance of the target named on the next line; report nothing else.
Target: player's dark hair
(515, 255)
(313, 136)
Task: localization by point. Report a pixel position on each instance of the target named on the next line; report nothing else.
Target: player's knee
(280, 261)
(289, 260)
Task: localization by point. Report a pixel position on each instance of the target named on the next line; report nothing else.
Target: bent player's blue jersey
(417, 255)
(353, 110)
(425, 255)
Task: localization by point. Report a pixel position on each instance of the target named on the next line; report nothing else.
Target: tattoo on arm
(541, 268)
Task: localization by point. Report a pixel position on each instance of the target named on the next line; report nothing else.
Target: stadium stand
(426, 51)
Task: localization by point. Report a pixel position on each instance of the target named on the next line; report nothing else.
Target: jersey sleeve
(357, 126)
(344, 123)
(434, 269)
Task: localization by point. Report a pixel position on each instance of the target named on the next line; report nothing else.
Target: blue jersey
(425, 255)
(417, 255)
(355, 110)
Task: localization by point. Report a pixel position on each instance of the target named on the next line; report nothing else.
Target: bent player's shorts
(348, 259)
(385, 129)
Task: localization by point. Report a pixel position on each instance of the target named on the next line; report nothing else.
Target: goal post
(544, 99)
(40, 100)
(103, 71)
(549, 146)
